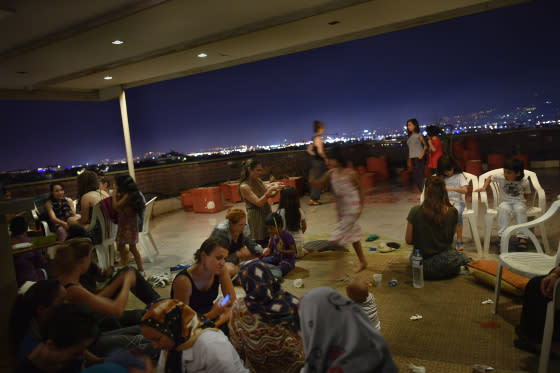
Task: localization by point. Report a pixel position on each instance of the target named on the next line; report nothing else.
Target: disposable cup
(378, 279)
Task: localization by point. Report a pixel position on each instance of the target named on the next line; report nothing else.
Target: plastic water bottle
(417, 269)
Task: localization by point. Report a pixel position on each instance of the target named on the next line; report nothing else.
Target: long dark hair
(87, 181)
(317, 125)
(446, 163)
(416, 126)
(41, 294)
(126, 185)
(436, 200)
(289, 201)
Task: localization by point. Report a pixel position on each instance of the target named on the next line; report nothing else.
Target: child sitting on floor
(281, 250)
(358, 291)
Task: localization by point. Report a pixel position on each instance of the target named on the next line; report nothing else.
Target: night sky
(500, 59)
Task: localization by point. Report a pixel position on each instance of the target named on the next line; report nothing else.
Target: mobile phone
(225, 300)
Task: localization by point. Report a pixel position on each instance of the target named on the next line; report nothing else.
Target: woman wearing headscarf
(264, 325)
(188, 343)
(338, 336)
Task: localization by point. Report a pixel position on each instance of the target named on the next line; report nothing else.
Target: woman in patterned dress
(256, 195)
(264, 325)
(349, 198)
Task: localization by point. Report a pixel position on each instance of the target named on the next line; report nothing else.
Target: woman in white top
(188, 343)
(293, 217)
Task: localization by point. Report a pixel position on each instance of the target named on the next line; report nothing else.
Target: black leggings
(533, 315)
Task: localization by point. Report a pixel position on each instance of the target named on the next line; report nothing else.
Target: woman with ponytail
(256, 195)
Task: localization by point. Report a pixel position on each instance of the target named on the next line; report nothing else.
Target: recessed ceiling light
(108, 78)
(117, 42)
(202, 55)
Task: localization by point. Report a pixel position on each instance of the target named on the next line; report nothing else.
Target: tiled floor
(178, 234)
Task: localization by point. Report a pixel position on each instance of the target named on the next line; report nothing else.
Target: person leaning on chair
(531, 326)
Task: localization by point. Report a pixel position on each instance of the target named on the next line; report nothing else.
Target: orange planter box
(186, 199)
(524, 158)
(367, 180)
(234, 192)
(406, 176)
(296, 182)
(362, 170)
(226, 193)
(207, 199)
(474, 167)
(496, 161)
(379, 165)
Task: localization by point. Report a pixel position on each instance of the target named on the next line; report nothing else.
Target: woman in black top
(318, 160)
(197, 286)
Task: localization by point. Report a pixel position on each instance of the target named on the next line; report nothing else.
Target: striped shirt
(370, 308)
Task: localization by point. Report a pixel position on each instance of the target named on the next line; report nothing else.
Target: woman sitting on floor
(72, 260)
(188, 342)
(235, 235)
(338, 336)
(264, 325)
(197, 286)
(430, 229)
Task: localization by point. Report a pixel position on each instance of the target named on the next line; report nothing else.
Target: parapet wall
(169, 180)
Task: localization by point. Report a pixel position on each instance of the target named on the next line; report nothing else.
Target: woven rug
(456, 331)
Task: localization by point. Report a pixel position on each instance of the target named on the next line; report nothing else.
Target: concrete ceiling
(62, 49)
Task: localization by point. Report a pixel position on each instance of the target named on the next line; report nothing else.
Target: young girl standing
(513, 189)
(456, 186)
(416, 152)
(349, 198)
(129, 204)
(293, 217)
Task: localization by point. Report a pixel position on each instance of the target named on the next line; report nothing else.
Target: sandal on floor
(384, 248)
(372, 237)
(459, 246)
(313, 203)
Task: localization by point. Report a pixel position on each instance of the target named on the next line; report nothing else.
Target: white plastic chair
(106, 249)
(470, 214)
(525, 263)
(145, 234)
(51, 251)
(534, 209)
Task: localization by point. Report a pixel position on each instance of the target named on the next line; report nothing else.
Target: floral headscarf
(179, 322)
(266, 298)
(338, 336)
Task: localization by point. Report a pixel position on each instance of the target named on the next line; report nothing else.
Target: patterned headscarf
(179, 322)
(265, 297)
(338, 336)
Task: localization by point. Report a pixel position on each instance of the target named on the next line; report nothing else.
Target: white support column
(126, 132)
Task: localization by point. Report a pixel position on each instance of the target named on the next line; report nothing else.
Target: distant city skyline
(498, 59)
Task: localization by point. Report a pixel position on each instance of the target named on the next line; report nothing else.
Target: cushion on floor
(485, 272)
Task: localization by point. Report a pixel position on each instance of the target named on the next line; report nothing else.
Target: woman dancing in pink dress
(349, 198)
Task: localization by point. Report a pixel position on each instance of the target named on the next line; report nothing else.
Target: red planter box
(187, 200)
(207, 199)
(234, 192)
(524, 158)
(496, 161)
(474, 167)
(367, 180)
(379, 165)
(226, 193)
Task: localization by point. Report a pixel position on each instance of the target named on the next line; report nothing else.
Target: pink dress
(347, 196)
(128, 225)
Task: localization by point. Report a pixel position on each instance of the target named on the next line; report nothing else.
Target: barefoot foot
(360, 267)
